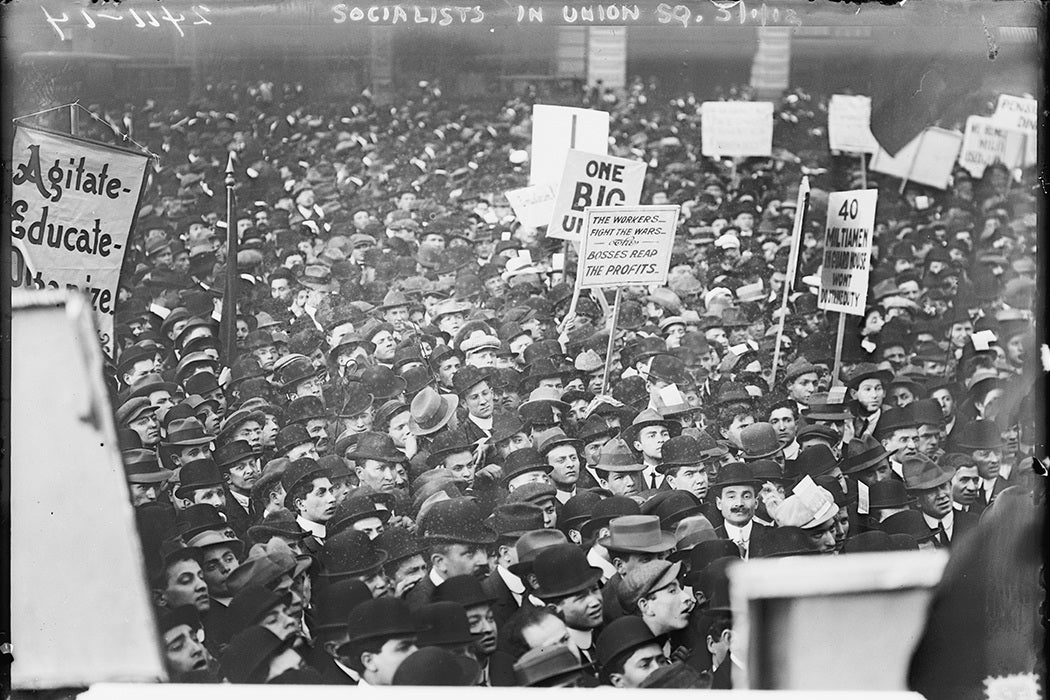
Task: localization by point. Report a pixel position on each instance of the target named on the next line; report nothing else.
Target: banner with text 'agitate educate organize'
(73, 204)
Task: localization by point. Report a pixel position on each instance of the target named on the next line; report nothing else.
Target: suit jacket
(330, 673)
(1000, 484)
(611, 608)
(965, 524)
(758, 532)
(501, 670)
(505, 605)
(421, 594)
(239, 518)
(722, 678)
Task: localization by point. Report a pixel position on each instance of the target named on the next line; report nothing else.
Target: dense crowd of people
(415, 469)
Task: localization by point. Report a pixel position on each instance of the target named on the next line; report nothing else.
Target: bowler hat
(463, 589)
(813, 461)
(893, 419)
(979, 435)
(198, 474)
(734, 474)
(436, 666)
(759, 440)
(783, 541)
(379, 618)
(522, 461)
(562, 570)
(637, 533)
(820, 407)
(247, 657)
(398, 543)
(350, 553)
(607, 510)
(356, 400)
(456, 520)
(236, 419)
(298, 370)
(447, 443)
(431, 411)
(546, 666)
(233, 452)
(377, 446)
(908, 522)
(301, 470)
(921, 473)
(530, 545)
(889, 493)
(202, 517)
(926, 412)
(620, 636)
(291, 435)
(351, 510)
(595, 427)
(305, 408)
(505, 424)
(443, 623)
(668, 368)
(706, 552)
(469, 376)
(382, 383)
(512, 520)
(681, 451)
(333, 603)
(862, 453)
(671, 507)
(868, 370)
(281, 522)
(578, 509)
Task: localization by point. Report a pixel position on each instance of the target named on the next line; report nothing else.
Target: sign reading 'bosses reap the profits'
(731, 129)
(591, 180)
(73, 203)
(625, 246)
(847, 251)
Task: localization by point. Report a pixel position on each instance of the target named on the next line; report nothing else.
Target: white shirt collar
(436, 577)
(948, 521)
(564, 496)
(483, 423)
(348, 671)
(318, 530)
(582, 639)
(596, 559)
(514, 583)
(740, 533)
(244, 501)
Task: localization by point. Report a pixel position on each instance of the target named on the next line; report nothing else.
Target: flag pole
(612, 340)
(228, 325)
(801, 210)
(837, 371)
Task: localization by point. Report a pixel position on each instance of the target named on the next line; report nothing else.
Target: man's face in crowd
(823, 537)
(966, 484)
(446, 369)
(219, 562)
(988, 462)
(549, 630)
(737, 504)
(317, 428)
(309, 387)
(841, 528)
(478, 400)
(461, 466)
(359, 422)
(593, 449)
(651, 441)
(566, 463)
(382, 666)
(946, 400)
(409, 571)
(639, 666)
(302, 450)
(147, 427)
(495, 286)
(319, 503)
(928, 440)
(397, 317)
(451, 323)
(482, 628)
(880, 472)
(212, 496)
(901, 396)
(266, 355)
(692, 478)
(896, 356)
(960, 333)
(268, 435)
(183, 652)
(717, 337)
(869, 394)
(936, 502)
(398, 429)
(621, 483)
(783, 421)
(583, 610)
(360, 219)
(251, 432)
(407, 201)
(669, 607)
(902, 443)
(736, 427)
(185, 585)
(466, 559)
(381, 476)
(244, 474)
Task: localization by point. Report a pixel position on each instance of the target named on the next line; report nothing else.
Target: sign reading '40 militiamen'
(847, 251)
(73, 204)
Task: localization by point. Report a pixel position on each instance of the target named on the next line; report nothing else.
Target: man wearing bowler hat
(458, 543)
(405, 565)
(736, 499)
(497, 667)
(628, 652)
(930, 484)
(309, 495)
(510, 521)
(376, 459)
(382, 634)
(473, 385)
(899, 434)
(569, 585)
(982, 441)
(241, 468)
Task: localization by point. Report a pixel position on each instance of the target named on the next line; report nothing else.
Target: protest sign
(532, 205)
(987, 141)
(730, 129)
(849, 124)
(593, 181)
(72, 209)
(556, 130)
(1021, 113)
(927, 159)
(847, 251)
(624, 246)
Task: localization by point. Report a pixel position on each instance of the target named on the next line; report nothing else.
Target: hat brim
(944, 478)
(451, 402)
(581, 585)
(666, 544)
(150, 477)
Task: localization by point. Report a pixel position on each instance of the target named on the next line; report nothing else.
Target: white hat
(477, 340)
(727, 240)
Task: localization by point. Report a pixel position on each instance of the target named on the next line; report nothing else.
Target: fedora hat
(142, 467)
(266, 563)
(522, 461)
(637, 533)
(233, 452)
(296, 371)
(530, 544)
(187, 432)
(869, 541)
(644, 419)
(377, 446)
(382, 383)
(350, 553)
(512, 520)
(431, 411)
(893, 419)
(543, 407)
(246, 659)
(688, 533)
(921, 473)
(546, 666)
(449, 442)
(318, 278)
(620, 636)
(862, 453)
(470, 376)
(305, 408)
(547, 440)
(867, 370)
(379, 618)
(562, 570)
(149, 384)
(456, 520)
(595, 427)
(820, 407)
(251, 603)
(979, 435)
(889, 493)
(813, 461)
(616, 456)
(926, 412)
(759, 441)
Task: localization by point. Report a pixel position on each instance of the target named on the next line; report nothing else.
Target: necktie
(742, 546)
(942, 534)
(653, 480)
